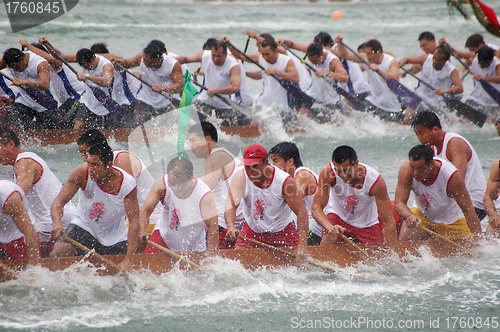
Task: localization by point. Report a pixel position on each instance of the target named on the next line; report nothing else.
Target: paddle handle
(425, 229)
(173, 254)
(417, 78)
(57, 55)
(92, 252)
(141, 80)
(217, 94)
(358, 248)
(246, 56)
(361, 58)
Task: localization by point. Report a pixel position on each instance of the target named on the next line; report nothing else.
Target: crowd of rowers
(106, 94)
(120, 205)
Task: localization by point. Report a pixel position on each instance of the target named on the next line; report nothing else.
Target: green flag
(188, 93)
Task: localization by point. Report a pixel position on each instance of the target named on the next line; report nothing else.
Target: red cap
(253, 154)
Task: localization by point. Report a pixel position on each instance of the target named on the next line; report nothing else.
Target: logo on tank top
(176, 219)
(260, 208)
(97, 211)
(425, 200)
(352, 204)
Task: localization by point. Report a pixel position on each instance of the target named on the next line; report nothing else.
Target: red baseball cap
(253, 154)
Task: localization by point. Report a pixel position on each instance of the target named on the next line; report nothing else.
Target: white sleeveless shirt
(438, 79)
(182, 226)
(475, 182)
(305, 79)
(215, 77)
(355, 206)
(66, 85)
(41, 195)
(265, 209)
(357, 83)
(31, 74)
(308, 201)
(273, 92)
(433, 201)
(244, 96)
(88, 97)
(125, 88)
(8, 228)
(479, 95)
(162, 77)
(321, 90)
(381, 95)
(103, 214)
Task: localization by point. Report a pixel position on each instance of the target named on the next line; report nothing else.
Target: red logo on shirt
(425, 200)
(352, 204)
(176, 219)
(97, 211)
(260, 208)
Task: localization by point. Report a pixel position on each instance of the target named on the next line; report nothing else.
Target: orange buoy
(337, 15)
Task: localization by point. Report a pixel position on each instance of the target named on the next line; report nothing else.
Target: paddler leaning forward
(269, 196)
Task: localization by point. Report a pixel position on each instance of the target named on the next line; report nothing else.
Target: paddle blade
(41, 98)
(466, 111)
(302, 98)
(494, 93)
(112, 106)
(404, 94)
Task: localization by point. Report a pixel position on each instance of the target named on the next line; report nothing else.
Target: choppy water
(225, 296)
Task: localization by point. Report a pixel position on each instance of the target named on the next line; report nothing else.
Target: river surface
(419, 294)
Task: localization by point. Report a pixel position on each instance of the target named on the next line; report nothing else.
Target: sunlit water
(224, 296)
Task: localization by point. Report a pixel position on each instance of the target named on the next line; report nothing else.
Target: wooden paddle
(92, 252)
(7, 269)
(284, 252)
(358, 248)
(409, 97)
(306, 100)
(174, 255)
(356, 102)
(445, 239)
(463, 109)
(112, 106)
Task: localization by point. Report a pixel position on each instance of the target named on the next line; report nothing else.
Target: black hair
(7, 135)
(99, 48)
(204, 129)
(421, 151)
(185, 164)
(444, 49)
(159, 44)
(426, 35)
(92, 137)
(375, 45)
(84, 55)
(104, 152)
(266, 35)
(287, 150)
(361, 47)
(314, 49)
(324, 38)
(209, 43)
(427, 119)
(474, 40)
(343, 153)
(153, 51)
(12, 55)
(269, 42)
(485, 54)
(220, 45)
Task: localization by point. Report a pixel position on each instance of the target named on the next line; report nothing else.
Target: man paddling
(490, 199)
(107, 197)
(18, 238)
(220, 167)
(189, 209)
(442, 201)
(347, 200)
(269, 197)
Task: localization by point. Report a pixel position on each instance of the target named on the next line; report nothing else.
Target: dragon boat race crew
(18, 238)
(220, 167)
(490, 199)
(286, 156)
(438, 72)
(163, 72)
(107, 197)
(457, 150)
(347, 199)
(189, 209)
(442, 203)
(486, 67)
(222, 75)
(126, 161)
(269, 197)
(274, 63)
(67, 88)
(32, 72)
(427, 43)
(39, 184)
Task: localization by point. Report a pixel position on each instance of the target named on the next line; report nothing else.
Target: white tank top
(182, 226)
(433, 201)
(273, 92)
(475, 182)
(357, 83)
(66, 85)
(41, 195)
(308, 201)
(305, 79)
(215, 77)
(6, 87)
(162, 77)
(438, 79)
(479, 95)
(381, 95)
(243, 97)
(355, 206)
(31, 74)
(125, 88)
(9, 232)
(321, 90)
(265, 210)
(88, 97)
(102, 214)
